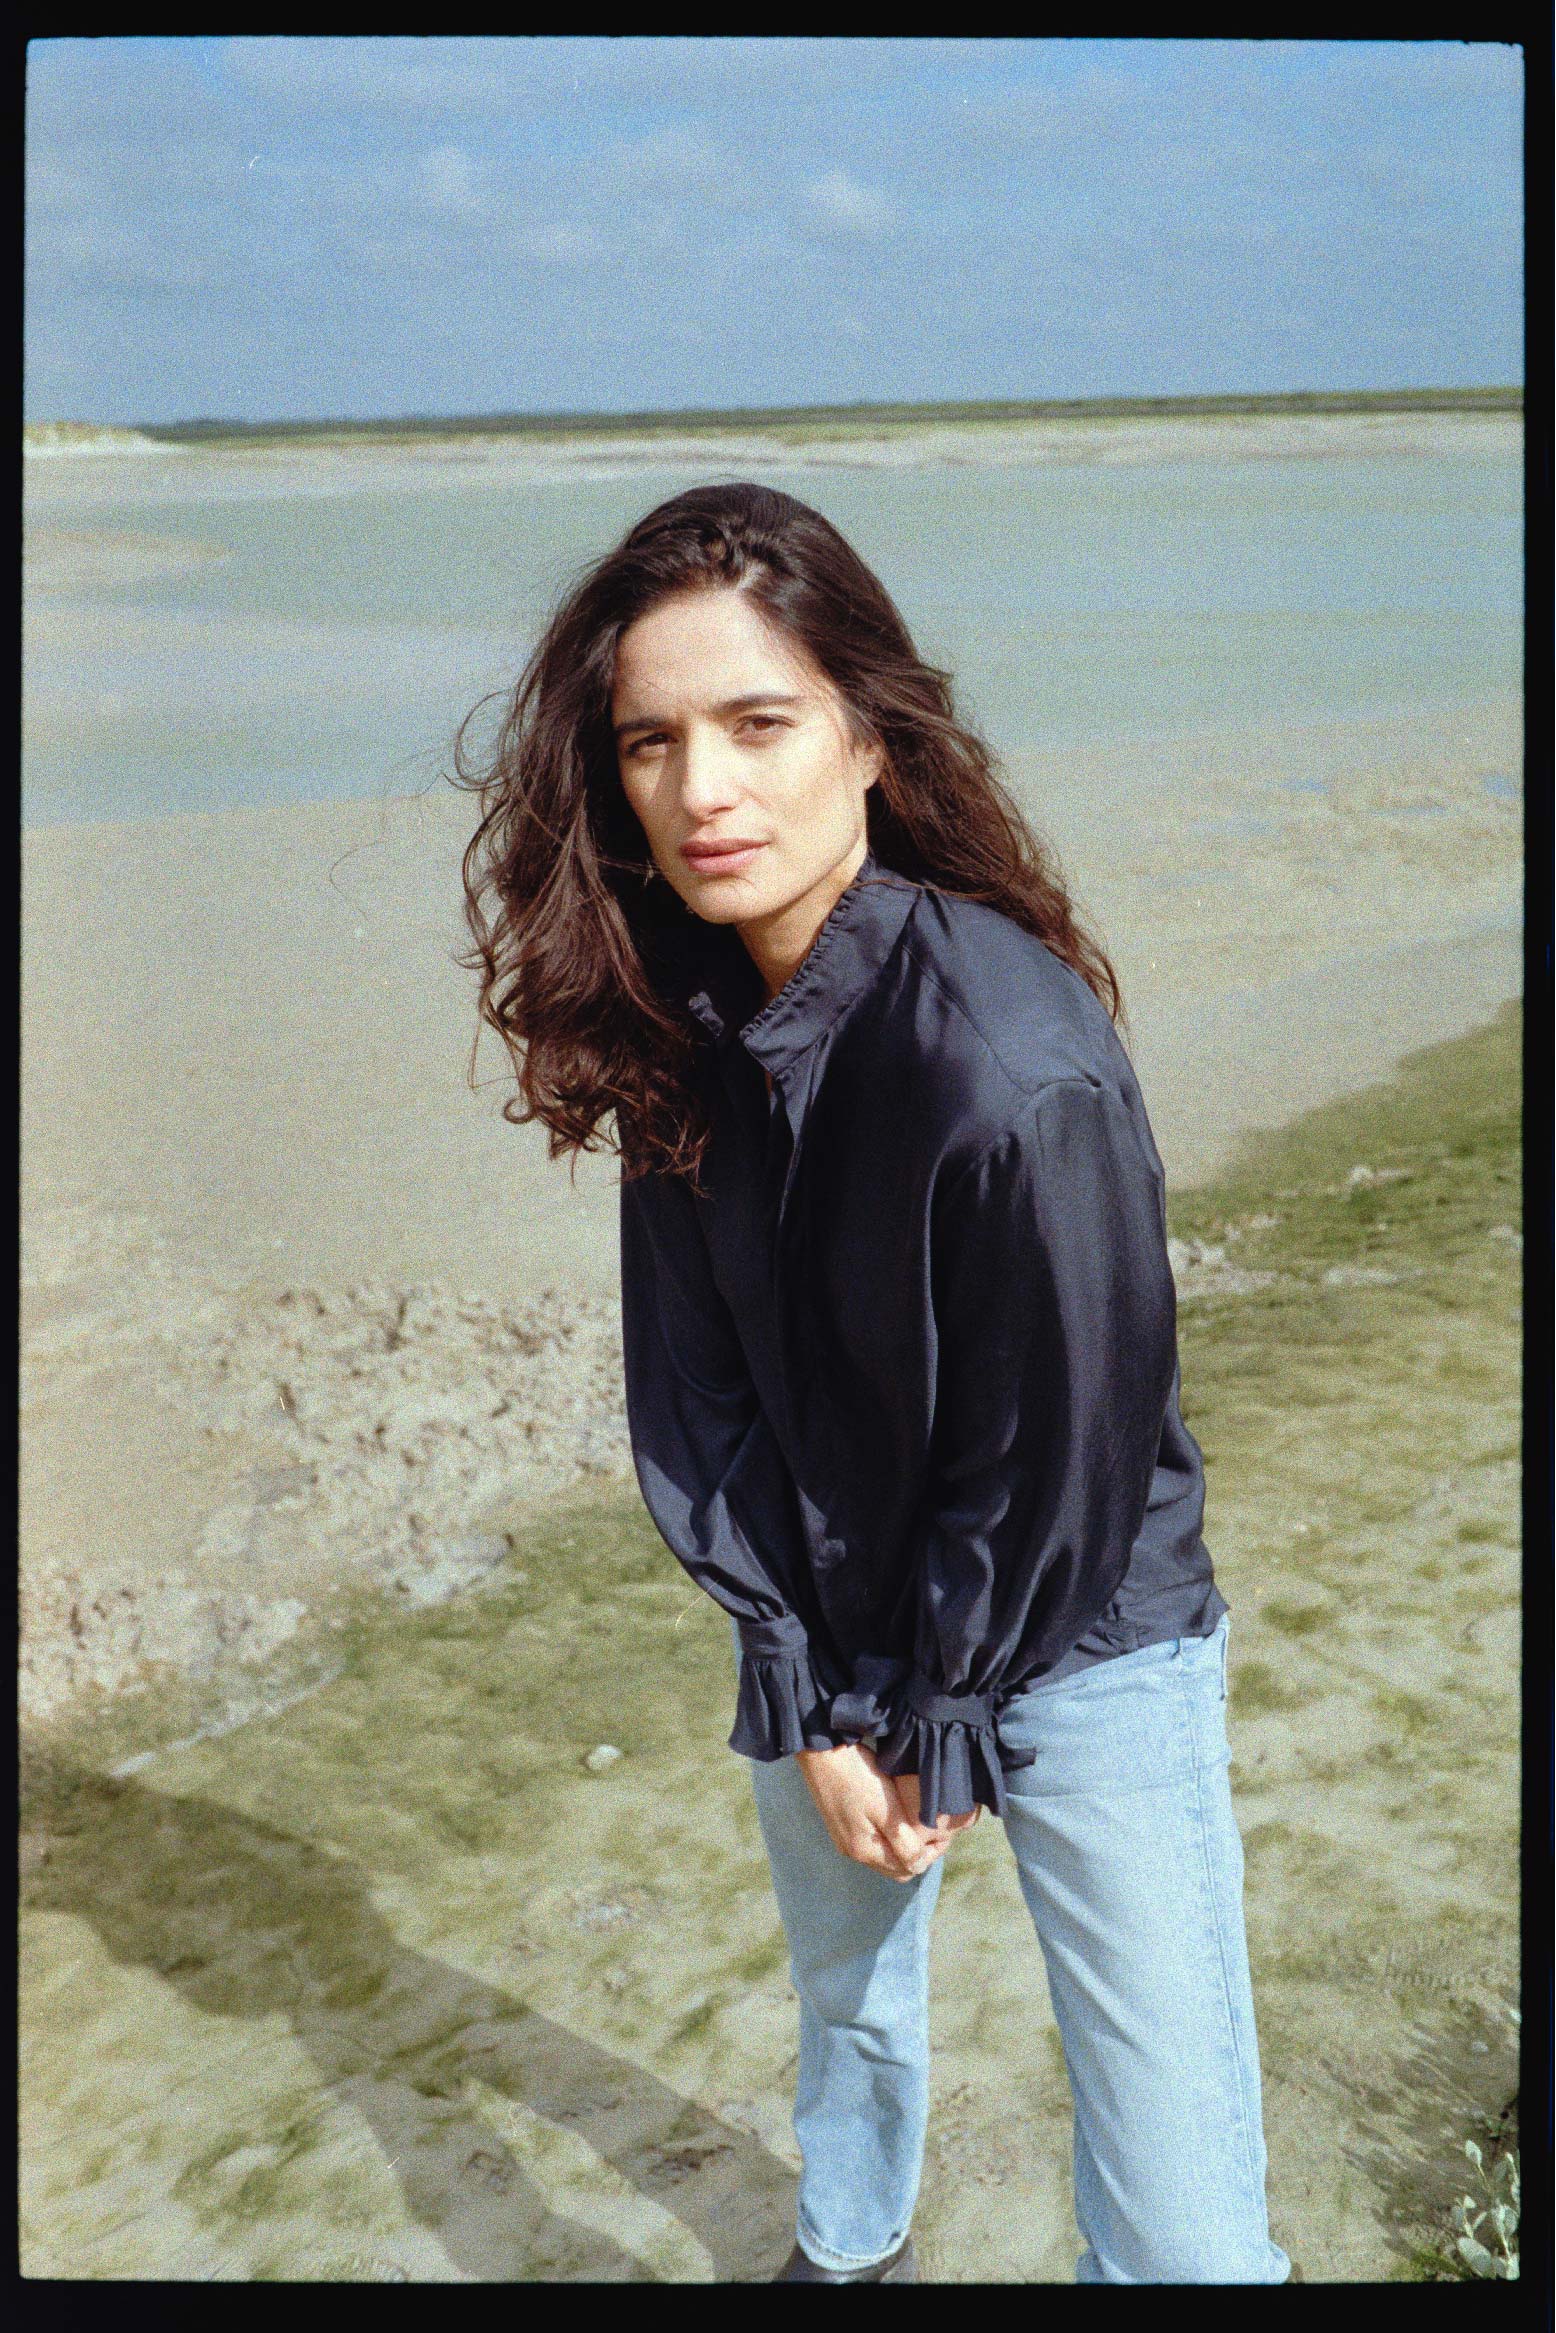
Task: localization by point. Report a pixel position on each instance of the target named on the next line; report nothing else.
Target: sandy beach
(376, 1969)
(249, 1141)
(326, 1489)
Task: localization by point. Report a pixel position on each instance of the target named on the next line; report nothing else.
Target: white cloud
(1206, 188)
(450, 181)
(558, 243)
(689, 165)
(842, 202)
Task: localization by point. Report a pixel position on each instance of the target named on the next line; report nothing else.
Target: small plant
(1503, 2190)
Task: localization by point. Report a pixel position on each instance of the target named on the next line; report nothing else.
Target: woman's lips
(720, 862)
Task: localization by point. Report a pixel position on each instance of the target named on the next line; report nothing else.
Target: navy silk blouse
(902, 1383)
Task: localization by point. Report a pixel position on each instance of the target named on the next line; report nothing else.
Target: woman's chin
(732, 898)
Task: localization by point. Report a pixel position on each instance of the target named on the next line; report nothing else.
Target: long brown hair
(566, 925)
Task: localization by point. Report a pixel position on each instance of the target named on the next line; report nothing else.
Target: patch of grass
(1313, 1413)
(1053, 2042)
(1450, 1192)
(1412, 1711)
(1434, 2258)
(1316, 1855)
(1296, 1619)
(695, 2022)
(1465, 1369)
(1263, 1835)
(1256, 1691)
(1326, 1773)
(769, 1959)
(1426, 2264)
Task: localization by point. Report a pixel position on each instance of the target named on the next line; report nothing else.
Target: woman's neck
(779, 943)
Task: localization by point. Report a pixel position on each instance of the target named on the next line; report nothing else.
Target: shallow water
(212, 631)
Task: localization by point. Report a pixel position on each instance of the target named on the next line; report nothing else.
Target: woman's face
(735, 753)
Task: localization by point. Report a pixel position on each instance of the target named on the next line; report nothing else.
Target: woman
(900, 1347)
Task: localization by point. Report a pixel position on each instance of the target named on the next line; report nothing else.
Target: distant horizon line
(1489, 397)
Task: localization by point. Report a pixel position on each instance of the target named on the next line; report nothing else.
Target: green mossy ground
(387, 1985)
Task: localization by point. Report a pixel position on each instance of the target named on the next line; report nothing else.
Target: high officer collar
(724, 989)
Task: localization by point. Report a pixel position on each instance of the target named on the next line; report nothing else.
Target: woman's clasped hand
(876, 1818)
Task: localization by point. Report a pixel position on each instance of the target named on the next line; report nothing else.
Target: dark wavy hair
(568, 929)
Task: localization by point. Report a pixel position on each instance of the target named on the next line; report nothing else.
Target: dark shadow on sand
(247, 1920)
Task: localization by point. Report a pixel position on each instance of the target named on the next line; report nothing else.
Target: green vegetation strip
(801, 423)
(1382, 1351)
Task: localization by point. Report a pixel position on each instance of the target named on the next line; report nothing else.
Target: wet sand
(387, 1984)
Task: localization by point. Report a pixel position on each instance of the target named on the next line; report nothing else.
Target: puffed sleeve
(1055, 1314)
(709, 1467)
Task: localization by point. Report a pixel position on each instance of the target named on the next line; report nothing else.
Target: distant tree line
(850, 420)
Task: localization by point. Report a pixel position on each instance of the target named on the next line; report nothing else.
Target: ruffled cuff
(952, 1743)
(863, 1710)
(782, 1707)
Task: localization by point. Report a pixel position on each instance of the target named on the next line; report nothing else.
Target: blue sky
(288, 227)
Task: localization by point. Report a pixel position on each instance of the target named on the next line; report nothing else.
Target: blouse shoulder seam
(1023, 1087)
(1031, 1098)
(931, 972)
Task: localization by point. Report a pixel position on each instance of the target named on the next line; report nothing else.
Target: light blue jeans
(1131, 1864)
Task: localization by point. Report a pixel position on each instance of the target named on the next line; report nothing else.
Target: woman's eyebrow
(744, 704)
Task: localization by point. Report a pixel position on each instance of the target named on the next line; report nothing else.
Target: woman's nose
(710, 775)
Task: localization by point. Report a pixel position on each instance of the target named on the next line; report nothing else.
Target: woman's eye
(641, 744)
(763, 721)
